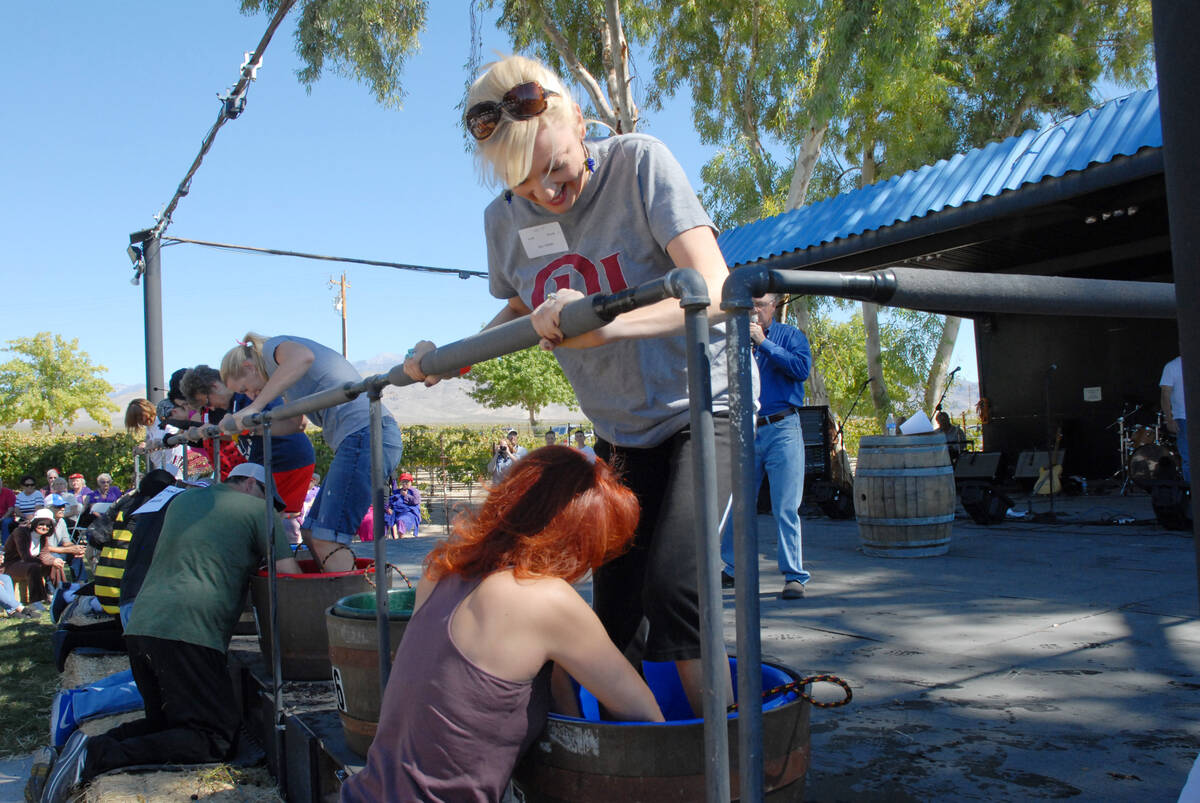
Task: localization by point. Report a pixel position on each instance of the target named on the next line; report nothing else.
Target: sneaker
(62, 717)
(43, 760)
(67, 771)
(792, 589)
(726, 580)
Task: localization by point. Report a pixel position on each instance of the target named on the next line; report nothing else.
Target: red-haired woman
(495, 613)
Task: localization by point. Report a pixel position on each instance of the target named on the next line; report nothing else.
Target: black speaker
(984, 502)
(835, 500)
(1172, 500)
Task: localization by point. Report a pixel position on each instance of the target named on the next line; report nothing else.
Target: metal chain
(798, 687)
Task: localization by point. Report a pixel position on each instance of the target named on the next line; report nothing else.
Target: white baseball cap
(259, 474)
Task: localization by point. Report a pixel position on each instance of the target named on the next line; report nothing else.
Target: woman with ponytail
(292, 367)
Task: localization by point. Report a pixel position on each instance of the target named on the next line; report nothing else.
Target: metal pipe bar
(745, 541)
(381, 576)
(273, 606)
(714, 662)
(959, 293)
(1178, 59)
(577, 318)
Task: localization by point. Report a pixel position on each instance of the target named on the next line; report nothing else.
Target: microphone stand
(842, 423)
(938, 407)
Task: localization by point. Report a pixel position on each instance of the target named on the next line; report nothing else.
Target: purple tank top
(448, 730)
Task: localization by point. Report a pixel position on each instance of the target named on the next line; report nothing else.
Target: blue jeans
(346, 488)
(8, 594)
(1182, 445)
(779, 452)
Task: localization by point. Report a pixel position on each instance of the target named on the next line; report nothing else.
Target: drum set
(1147, 454)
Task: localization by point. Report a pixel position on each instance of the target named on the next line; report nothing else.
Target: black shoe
(792, 589)
(726, 580)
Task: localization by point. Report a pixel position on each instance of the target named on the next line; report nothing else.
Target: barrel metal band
(943, 519)
(928, 471)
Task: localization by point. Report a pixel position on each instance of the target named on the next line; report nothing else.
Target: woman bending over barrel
(293, 367)
(495, 612)
(588, 216)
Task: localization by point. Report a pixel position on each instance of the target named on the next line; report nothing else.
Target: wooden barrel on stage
(353, 631)
(904, 495)
(303, 599)
(583, 760)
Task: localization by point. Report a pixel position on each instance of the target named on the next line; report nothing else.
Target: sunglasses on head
(522, 102)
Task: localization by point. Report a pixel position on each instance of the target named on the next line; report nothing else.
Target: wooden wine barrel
(904, 495)
(585, 760)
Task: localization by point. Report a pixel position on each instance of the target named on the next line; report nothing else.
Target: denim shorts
(346, 488)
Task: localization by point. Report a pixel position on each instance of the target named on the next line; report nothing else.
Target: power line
(462, 274)
(231, 106)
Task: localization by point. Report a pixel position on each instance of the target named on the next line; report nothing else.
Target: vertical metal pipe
(378, 478)
(708, 542)
(152, 311)
(273, 596)
(1178, 59)
(745, 539)
(216, 446)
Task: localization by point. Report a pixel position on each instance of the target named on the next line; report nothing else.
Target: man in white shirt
(1174, 412)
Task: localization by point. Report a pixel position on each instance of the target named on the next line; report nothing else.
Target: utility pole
(339, 304)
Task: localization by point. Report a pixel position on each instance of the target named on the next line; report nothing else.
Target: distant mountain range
(448, 402)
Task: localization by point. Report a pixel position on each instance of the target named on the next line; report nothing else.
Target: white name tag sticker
(540, 241)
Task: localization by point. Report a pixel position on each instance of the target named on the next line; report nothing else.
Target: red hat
(76, 475)
(406, 476)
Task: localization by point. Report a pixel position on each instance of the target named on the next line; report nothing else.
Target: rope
(797, 686)
(371, 571)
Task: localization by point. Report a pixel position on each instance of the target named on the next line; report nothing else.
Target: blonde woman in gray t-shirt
(581, 217)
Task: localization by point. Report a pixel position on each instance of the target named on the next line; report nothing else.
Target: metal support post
(382, 583)
(216, 447)
(152, 310)
(745, 541)
(714, 661)
(273, 606)
(738, 300)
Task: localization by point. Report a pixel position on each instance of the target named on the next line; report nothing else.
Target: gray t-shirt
(638, 199)
(329, 369)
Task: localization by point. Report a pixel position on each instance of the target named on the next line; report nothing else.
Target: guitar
(1042, 487)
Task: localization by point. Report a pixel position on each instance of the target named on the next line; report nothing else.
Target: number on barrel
(337, 688)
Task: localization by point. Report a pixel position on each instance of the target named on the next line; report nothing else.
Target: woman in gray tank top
(496, 625)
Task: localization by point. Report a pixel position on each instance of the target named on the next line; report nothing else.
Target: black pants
(191, 716)
(658, 577)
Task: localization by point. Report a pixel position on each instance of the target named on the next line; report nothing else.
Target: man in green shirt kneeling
(212, 540)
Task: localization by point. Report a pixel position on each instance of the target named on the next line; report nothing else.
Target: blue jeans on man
(1182, 445)
(779, 453)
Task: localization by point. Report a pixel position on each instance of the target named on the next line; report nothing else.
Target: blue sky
(106, 106)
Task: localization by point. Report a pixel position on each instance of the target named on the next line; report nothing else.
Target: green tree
(50, 380)
(585, 39)
(366, 40)
(530, 379)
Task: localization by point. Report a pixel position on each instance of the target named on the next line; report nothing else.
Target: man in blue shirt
(784, 360)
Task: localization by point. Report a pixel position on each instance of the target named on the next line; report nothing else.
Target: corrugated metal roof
(1120, 127)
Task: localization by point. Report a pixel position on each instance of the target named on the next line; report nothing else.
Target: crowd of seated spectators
(41, 531)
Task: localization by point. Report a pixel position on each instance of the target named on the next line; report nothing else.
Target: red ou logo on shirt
(583, 266)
